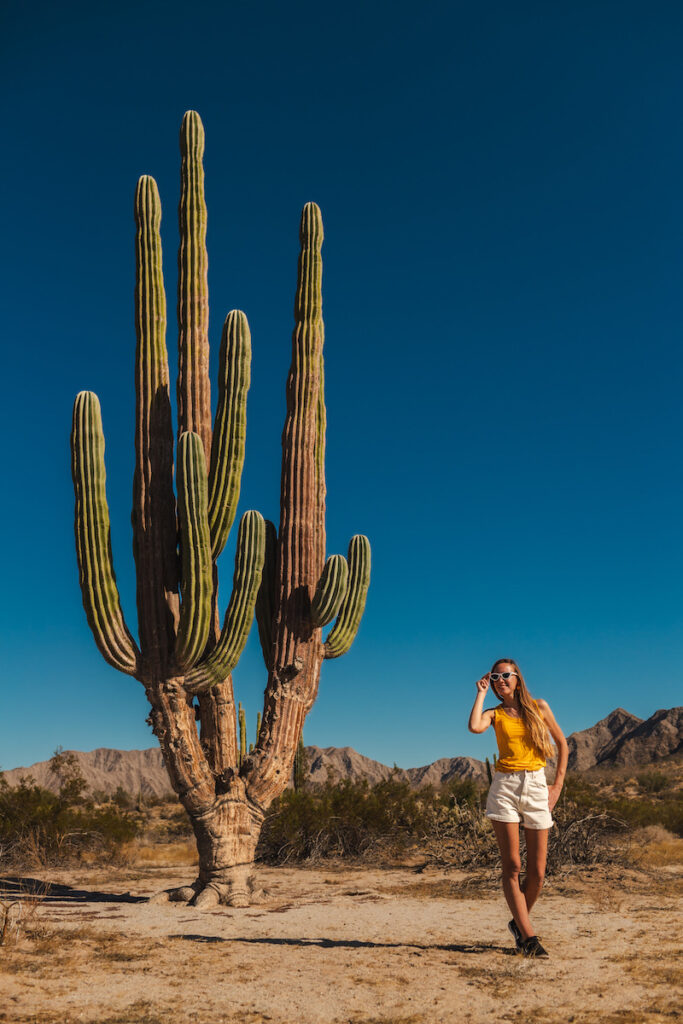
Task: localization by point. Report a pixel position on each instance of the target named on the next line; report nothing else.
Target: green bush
(653, 782)
(343, 819)
(651, 807)
(41, 827)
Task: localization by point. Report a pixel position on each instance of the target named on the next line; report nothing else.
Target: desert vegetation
(351, 821)
(388, 891)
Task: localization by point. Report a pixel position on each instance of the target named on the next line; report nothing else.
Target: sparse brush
(348, 819)
(579, 838)
(38, 827)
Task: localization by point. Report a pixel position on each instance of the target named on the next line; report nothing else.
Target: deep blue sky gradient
(502, 191)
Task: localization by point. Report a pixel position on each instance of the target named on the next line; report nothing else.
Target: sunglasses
(495, 676)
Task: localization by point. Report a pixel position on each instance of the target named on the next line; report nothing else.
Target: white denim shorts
(520, 796)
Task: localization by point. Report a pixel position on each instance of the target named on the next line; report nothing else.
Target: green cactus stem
(330, 591)
(238, 617)
(154, 517)
(196, 578)
(344, 631)
(266, 601)
(193, 384)
(230, 428)
(300, 766)
(93, 538)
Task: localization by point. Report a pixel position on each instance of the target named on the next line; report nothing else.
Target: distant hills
(620, 740)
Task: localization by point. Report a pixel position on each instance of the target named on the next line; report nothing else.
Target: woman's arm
(562, 752)
(480, 720)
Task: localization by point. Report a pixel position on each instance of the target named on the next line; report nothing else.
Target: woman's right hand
(483, 683)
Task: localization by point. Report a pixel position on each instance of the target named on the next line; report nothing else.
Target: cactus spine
(183, 653)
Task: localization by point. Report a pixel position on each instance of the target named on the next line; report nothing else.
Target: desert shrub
(449, 827)
(176, 824)
(583, 838)
(640, 813)
(652, 782)
(40, 827)
(458, 834)
(345, 819)
(652, 806)
(463, 791)
(123, 800)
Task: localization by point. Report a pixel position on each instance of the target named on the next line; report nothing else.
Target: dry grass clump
(160, 855)
(655, 847)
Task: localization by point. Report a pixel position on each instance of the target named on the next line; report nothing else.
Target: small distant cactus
(243, 733)
(300, 770)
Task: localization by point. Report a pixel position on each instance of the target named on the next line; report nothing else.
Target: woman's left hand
(553, 795)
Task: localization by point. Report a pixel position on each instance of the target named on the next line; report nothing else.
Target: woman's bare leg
(507, 834)
(536, 855)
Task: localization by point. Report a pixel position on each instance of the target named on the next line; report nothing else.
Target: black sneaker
(516, 934)
(532, 947)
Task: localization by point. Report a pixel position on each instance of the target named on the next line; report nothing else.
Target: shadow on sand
(16, 887)
(447, 947)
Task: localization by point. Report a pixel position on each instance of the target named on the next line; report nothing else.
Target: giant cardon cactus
(183, 651)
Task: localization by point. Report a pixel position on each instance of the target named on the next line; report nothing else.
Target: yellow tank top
(516, 752)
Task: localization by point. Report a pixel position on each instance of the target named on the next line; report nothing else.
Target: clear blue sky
(502, 191)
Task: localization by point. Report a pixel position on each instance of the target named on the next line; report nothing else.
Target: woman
(519, 791)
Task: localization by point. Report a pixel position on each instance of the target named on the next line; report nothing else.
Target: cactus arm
(193, 386)
(93, 538)
(154, 524)
(320, 428)
(229, 436)
(238, 617)
(344, 631)
(265, 601)
(297, 650)
(330, 591)
(196, 577)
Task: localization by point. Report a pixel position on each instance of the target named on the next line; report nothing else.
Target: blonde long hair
(531, 716)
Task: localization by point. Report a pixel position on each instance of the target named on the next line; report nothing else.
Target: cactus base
(226, 841)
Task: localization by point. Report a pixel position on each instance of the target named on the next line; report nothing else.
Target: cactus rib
(330, 591)
(344, 631)
(154, 521)
(229, 436)
(196, 577)
(238, 617)
(193, 385)
(93, 538)
(267, 595)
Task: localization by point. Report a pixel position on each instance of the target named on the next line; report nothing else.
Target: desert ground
(337, 944)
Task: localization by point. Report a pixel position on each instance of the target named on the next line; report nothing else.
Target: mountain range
(620, 740)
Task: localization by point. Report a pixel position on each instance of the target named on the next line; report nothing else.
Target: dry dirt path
(343, 945)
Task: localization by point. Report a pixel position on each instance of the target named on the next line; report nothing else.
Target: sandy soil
(340, 945)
